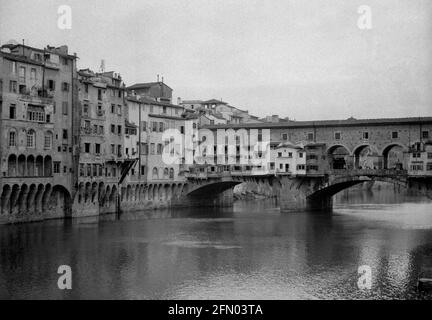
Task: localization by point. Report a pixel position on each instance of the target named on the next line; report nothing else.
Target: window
(119, 110)
(260, 137)
(35, 113)
(429, 155)
(14, 67)
(12, 138)
(284, 136)
(365, 135)
(65, 86)
(337, 135)
(152, 148)
(119, 148)
(33, 74)
(161, 126)
(99, 94)
(429, 166)
(395, 135)
(65, 107)
(142, 170)
(112, 128)
(279, 154)
(97, 148)
(144, 125)
(64, 61)
(113, 107)
(425, 134)
(48, 140)
(31, 139)
(85, 109)
(119, 130)
(159, 148)
(12, 111)
(65, 134)
(57, 167)
(51, 85)
(13, 86)
(164, 110)
(300, 154)
(113, 148)
(22, 74)
(100, 111)
(101, 130)
(289, 154)
(87, 147)
(310, 136)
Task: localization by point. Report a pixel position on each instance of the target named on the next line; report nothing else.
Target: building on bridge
(290, 159)
(349, 144)
(420, 162)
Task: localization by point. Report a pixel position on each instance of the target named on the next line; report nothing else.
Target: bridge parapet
(369, 172)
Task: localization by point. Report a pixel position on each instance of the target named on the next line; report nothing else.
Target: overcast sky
(301, 59)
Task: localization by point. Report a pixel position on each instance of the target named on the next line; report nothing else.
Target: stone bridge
(301, 192)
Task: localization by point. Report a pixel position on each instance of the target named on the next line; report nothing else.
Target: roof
(159, 103)
(214, 101)
(327, 123)
(146, 85)
(191, 101)
(288, 145)
(166, 117)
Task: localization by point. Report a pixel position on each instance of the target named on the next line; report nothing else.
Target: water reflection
(250, 251)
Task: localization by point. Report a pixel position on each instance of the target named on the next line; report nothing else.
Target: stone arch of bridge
(360, 150)
(388, 148)
(340, 184)
(339, 160)
(212, 188)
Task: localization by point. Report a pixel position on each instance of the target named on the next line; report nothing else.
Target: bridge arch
(368, 150)
(321, 198)
(386, 151)
(212, 188)
(338, 156)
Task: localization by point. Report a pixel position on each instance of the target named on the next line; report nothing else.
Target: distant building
(219, 109)
(158, 91)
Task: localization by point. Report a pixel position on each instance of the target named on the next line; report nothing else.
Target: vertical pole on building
(139, 141)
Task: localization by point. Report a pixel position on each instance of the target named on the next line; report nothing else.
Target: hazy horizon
(305, 60)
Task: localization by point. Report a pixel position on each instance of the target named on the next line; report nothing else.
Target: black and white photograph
(232, 152)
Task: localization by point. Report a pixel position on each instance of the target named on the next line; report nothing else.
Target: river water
(250, 251)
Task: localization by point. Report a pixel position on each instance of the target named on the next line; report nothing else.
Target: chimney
(178, 100)
(157, 78)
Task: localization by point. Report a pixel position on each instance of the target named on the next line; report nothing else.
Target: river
(250, 251)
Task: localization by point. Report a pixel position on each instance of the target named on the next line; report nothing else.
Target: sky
(306, 60)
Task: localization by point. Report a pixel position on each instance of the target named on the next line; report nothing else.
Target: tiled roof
(145, 85)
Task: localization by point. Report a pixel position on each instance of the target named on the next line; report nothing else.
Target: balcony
(37, 97)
